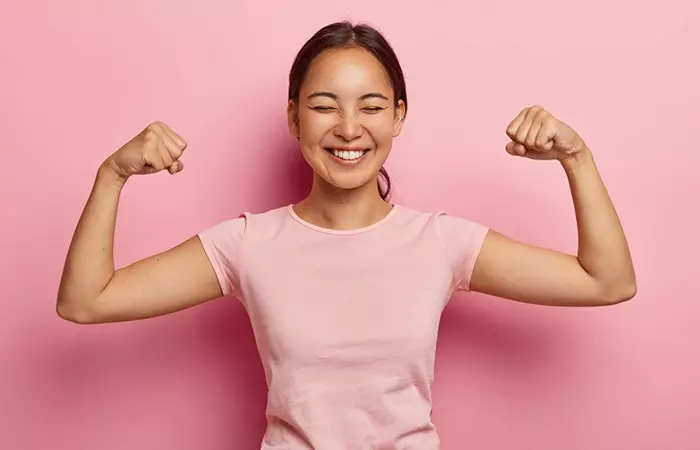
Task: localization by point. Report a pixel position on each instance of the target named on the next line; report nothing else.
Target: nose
(348, 127)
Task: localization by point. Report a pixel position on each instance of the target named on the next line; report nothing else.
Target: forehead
(347, 70)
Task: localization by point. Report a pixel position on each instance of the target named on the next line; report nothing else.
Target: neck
(331, 207)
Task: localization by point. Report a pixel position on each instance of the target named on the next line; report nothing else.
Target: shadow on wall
(281, 175)
(506, 338)
(496, 359)
(189, 380)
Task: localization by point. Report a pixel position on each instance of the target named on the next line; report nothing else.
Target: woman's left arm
(602, 273)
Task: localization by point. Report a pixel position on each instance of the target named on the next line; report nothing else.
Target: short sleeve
(463, 240)
(222, 243)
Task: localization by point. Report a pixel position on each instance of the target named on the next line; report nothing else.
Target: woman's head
(347, 101)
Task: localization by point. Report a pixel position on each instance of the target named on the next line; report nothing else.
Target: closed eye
(368, 109)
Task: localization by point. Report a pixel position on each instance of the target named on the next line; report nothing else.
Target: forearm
(89, 264)
(603, 251)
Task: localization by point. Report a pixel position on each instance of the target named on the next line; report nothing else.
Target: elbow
(620, 292)
(74, 313)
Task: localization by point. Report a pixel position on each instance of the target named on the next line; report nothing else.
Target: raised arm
(602, 272)
(91, 290)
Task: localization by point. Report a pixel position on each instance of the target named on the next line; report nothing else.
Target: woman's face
(346, 117)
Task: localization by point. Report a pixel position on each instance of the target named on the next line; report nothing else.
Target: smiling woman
(353, 50)
(344, 289)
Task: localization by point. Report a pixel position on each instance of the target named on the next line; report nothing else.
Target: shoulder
(236, 227)
(460, 238)
(454, 233)
(246, 218)
(442, 221)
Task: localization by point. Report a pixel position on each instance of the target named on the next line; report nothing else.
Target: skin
(346, 101)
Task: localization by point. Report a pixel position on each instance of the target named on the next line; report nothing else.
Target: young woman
(345, 289)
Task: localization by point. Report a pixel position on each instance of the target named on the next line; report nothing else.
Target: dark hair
(345, 34)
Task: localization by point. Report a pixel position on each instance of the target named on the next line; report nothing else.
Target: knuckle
(174, 150)
(150, 136)
(155, 128)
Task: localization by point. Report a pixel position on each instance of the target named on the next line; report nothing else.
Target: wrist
(582, 158)
(108, 175)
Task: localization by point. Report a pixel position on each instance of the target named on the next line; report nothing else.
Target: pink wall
(80, 78)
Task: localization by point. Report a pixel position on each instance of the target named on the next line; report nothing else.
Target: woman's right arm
(91, 290)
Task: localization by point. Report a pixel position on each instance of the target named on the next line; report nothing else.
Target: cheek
(313, 129)
(382, 131)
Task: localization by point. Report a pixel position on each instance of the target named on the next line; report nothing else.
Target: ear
(293, 119)
(399, 117)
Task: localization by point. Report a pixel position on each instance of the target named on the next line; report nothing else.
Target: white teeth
(348, 155)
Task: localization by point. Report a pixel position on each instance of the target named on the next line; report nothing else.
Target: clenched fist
(156, 148)
(537, 134)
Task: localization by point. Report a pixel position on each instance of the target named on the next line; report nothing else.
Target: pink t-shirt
(346, 322)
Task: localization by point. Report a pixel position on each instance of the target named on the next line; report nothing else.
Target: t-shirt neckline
(295, 216)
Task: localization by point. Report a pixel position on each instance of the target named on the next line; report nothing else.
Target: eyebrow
(335, 97)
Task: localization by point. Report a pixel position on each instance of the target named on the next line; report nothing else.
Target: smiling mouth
(347, 155)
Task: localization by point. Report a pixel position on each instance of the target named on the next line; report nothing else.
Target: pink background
(79, 78)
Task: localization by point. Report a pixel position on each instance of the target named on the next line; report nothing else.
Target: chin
(349, 181)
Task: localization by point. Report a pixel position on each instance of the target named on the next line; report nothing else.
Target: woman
(344, 289)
